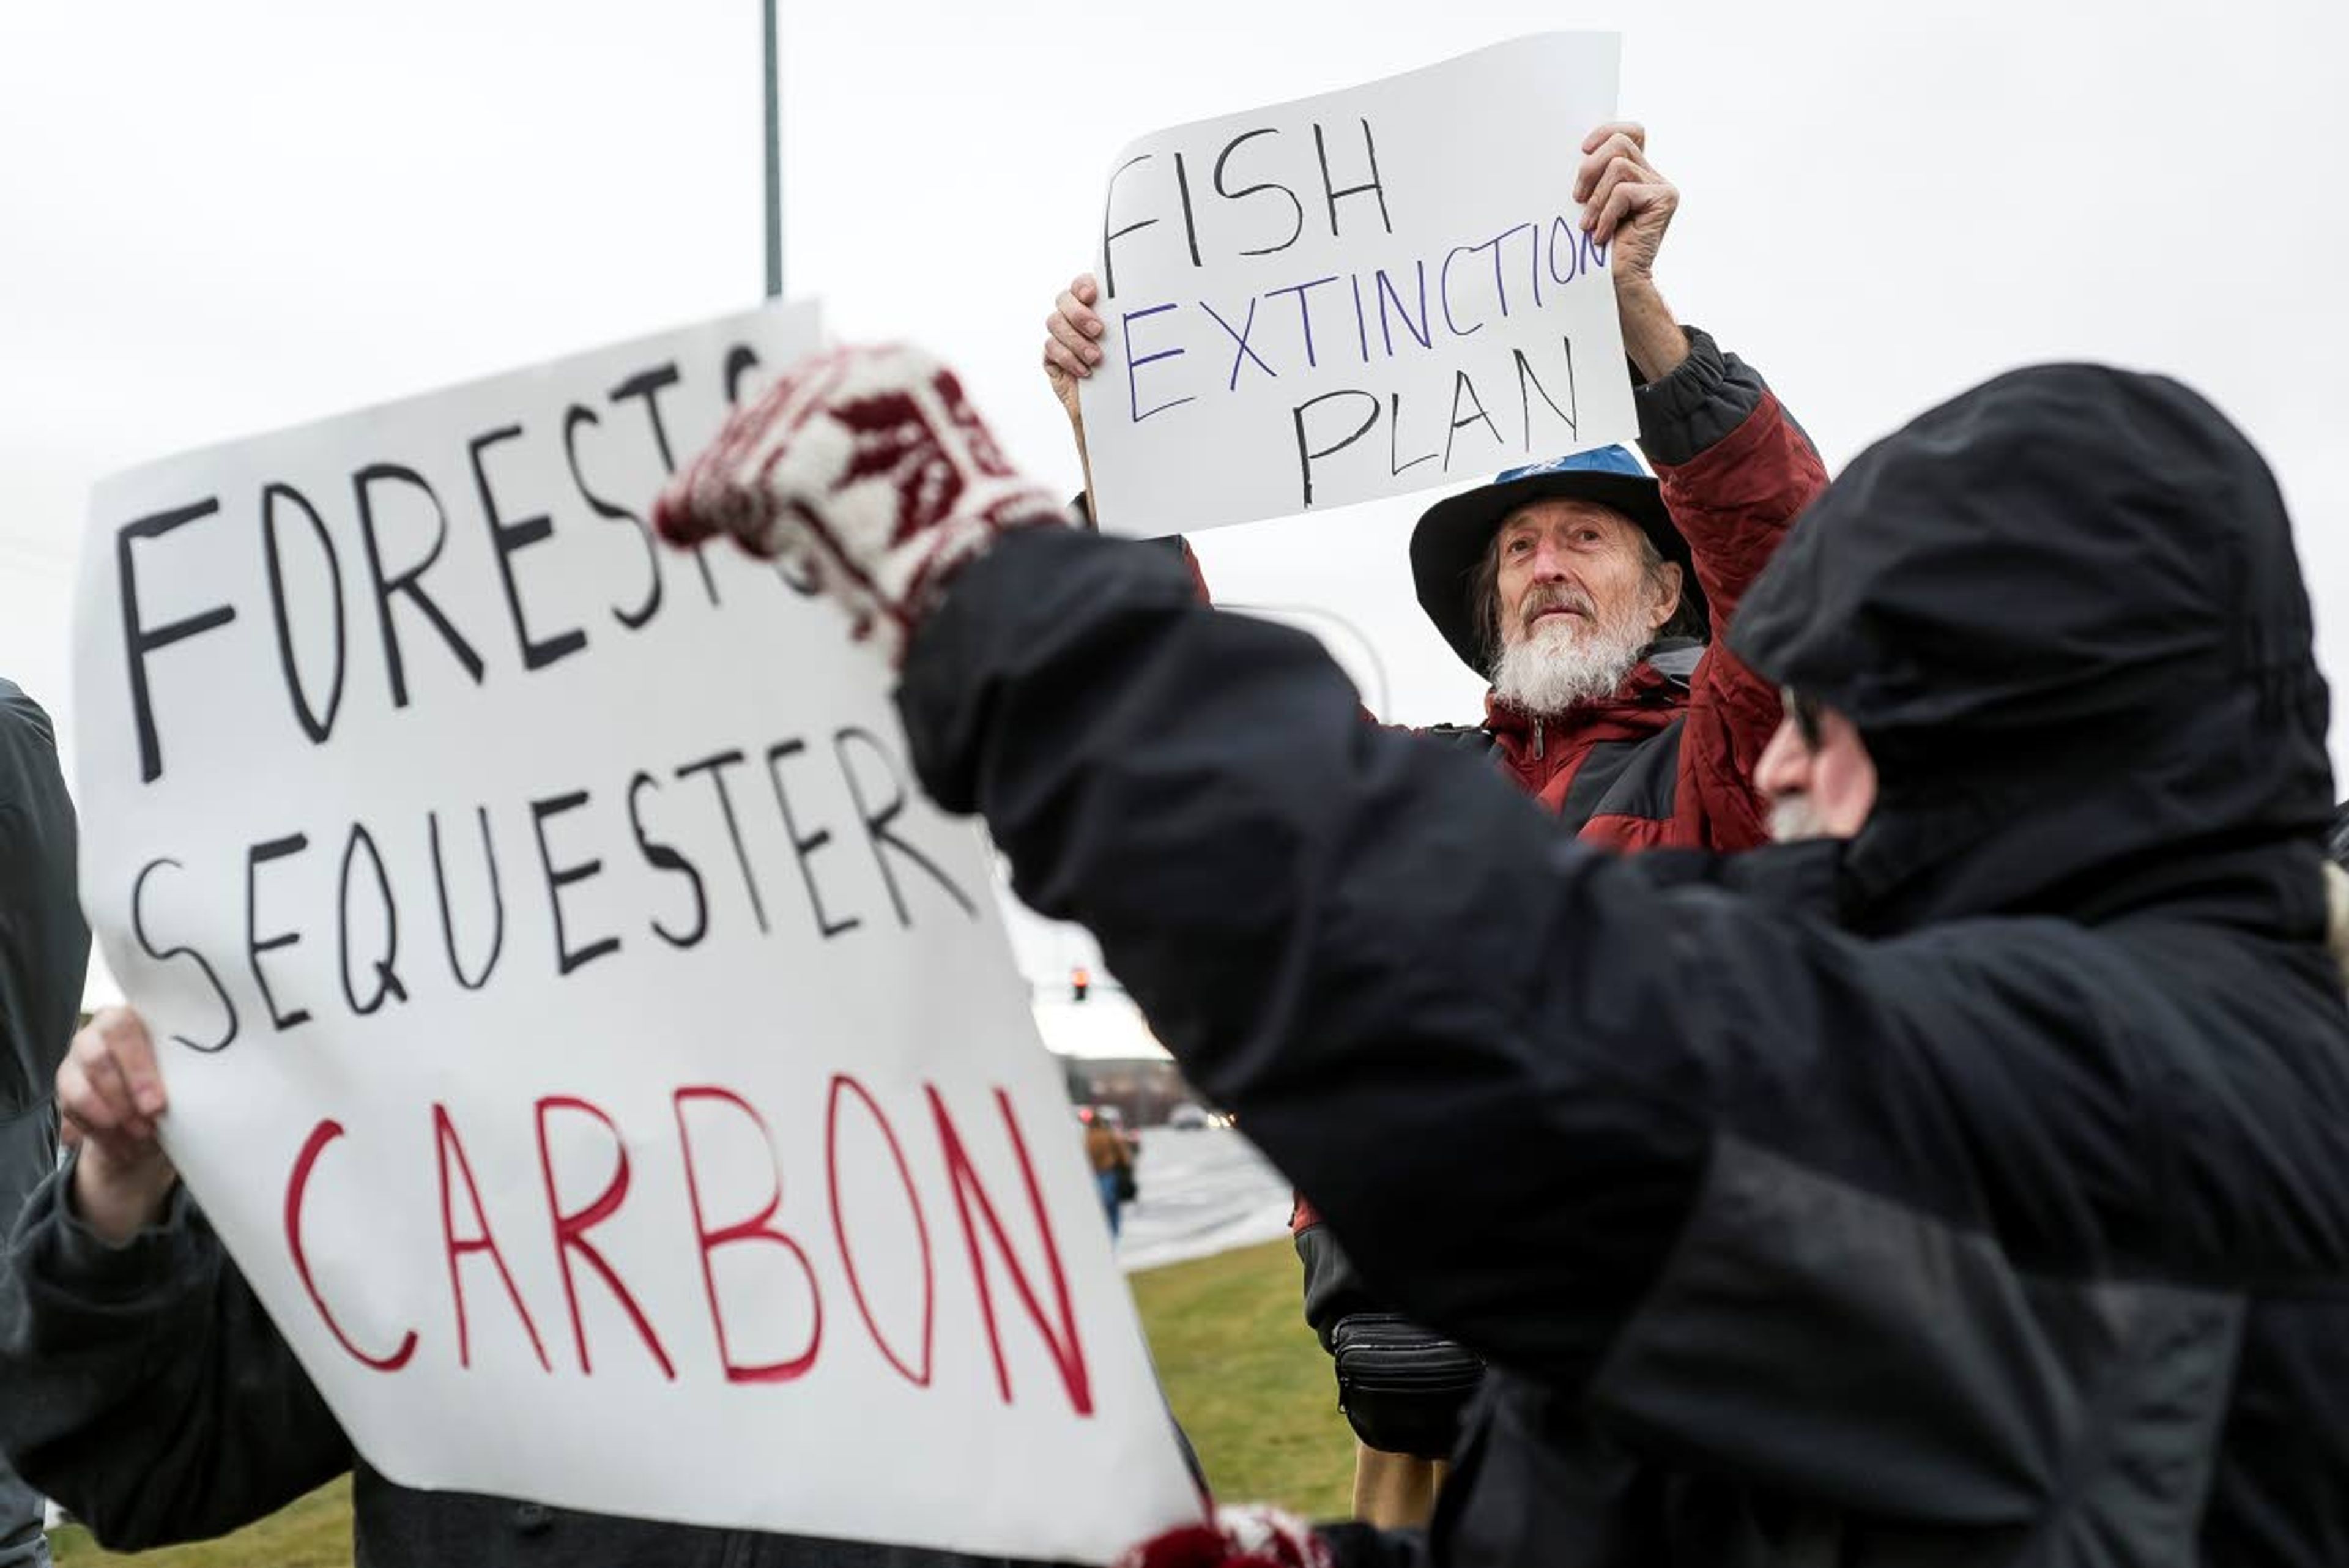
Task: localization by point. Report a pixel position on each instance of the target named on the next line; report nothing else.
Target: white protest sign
(1357, 295)
(605, 1065)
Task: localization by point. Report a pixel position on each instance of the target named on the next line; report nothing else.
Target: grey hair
(1485, 596)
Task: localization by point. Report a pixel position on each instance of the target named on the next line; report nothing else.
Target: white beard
(1560, 664)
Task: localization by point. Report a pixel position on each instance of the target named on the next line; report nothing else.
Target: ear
(1667, 585)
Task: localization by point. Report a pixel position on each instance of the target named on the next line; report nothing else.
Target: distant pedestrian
(1111, 1159)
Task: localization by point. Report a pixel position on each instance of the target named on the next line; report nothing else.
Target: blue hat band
(1598, 459)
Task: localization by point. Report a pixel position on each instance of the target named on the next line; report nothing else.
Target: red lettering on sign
(759, 1227)
(571, 1232)
(322, 1134)
(1067, 1349)
(444, 1133)
(842, 1082)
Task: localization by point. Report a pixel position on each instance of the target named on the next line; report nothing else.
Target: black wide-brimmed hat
(1453, 536)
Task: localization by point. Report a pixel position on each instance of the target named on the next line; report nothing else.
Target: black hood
(2065, 611)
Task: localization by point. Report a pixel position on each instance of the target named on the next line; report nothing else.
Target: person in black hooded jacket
(44, 955)
(1972, 1191)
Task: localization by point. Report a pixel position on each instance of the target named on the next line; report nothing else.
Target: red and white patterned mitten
(1249, 1537)
(870, 469)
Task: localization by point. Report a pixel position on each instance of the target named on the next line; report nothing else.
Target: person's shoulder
(21, 716)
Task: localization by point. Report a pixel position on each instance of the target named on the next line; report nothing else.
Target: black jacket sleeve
(1342, 931)
(1506, 1067)
(146, 1388)
(1333, 1290)
(44, 945)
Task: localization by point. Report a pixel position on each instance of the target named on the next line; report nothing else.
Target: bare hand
(1626, 204)
(109, 1096)
(1070, 352)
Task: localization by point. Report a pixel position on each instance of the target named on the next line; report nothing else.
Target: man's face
(1817, 774)
(1568, 569)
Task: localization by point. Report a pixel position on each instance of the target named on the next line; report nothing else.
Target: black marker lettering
(573, 418)
(408, 582)
(163, 955)
(650, 385)
(315, 725)
(1110, 239)
(447, 918)
(1529, 384)
(877, 820)
(254, 946)
(1396, 467)
(662, 857)
(715, 766)
(740, 360)
(1190, 219)
(388, 986)
(139, 641)
(1372, 185)
(566, 958)
(1296, 208)
(1307, 455)
(1460, 384)
(508, 540)
(805, 845)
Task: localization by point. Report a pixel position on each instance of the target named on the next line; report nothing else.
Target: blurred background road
(1202, 1190)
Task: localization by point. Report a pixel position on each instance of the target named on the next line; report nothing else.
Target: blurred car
(1189, 1118)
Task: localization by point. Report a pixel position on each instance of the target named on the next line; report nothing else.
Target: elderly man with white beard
(1587, 589)
(1589, 593)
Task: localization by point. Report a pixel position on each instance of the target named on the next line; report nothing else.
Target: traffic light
(1081, 981)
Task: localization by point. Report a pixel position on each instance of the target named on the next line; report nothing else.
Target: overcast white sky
(223, 217)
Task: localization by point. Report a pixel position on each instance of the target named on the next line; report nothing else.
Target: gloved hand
(1249, 1537)
(869, 469)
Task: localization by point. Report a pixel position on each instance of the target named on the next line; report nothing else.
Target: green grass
(1247, 1380)
(312, 1533)
(1241, 1369)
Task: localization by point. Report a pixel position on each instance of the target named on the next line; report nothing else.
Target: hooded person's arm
(1600, 1123)
(1736, 1175)
(1343, 932)
(147, 1389)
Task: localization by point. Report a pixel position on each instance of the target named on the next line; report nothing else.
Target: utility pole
(774, 160)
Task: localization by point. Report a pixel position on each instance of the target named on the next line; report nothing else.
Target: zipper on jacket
(1538, 740)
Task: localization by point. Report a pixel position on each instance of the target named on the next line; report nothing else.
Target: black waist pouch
(1403, 1388)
